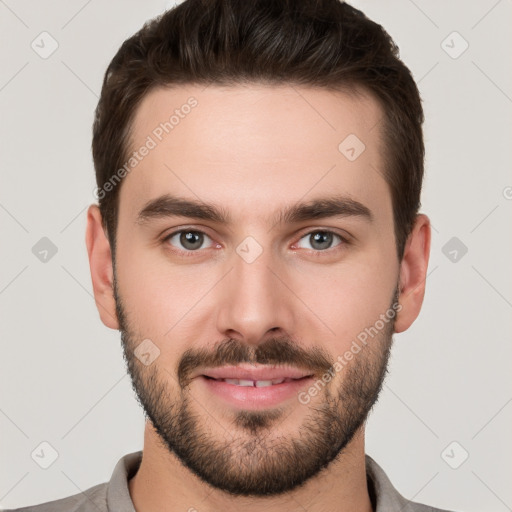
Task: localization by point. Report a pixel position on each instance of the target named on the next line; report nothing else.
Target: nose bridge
(254, 300)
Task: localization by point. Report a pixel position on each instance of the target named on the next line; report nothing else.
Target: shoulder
(411, 506)
(93, 499)
(385, 495)
(103, 497)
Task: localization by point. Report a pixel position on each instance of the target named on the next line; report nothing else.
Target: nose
(255, 301)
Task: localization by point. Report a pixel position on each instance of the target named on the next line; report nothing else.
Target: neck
(163, 483)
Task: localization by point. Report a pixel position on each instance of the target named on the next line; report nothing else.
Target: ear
(100, 263)
(413, 273)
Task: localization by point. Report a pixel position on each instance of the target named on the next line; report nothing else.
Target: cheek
(347, 299)
(161, 299)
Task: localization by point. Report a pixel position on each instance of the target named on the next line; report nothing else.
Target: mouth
(256, 383)
(255, 375)
(251, 387)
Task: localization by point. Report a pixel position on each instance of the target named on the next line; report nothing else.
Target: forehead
(250, 147)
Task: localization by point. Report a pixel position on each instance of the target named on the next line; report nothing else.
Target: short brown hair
(322, 43)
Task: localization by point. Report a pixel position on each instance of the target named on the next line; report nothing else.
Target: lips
(258, 377)
(258, 392)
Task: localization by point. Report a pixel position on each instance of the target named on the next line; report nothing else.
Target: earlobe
(413, 273)
(100, 263)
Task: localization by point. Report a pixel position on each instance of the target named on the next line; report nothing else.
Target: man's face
(260, 291)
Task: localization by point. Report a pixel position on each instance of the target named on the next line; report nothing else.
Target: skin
(253, 150)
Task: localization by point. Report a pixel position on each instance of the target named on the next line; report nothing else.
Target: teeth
(256, 383)
(263, 383)
(237, 382)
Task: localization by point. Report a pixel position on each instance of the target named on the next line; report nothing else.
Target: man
(257, 242)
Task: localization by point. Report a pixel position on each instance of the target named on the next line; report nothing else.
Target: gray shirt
(114, 496)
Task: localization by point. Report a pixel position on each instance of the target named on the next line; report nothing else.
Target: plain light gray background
(62, 375)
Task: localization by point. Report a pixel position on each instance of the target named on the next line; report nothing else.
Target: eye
(321, 240)
(190, 239)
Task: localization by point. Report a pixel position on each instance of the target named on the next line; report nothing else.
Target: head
(284, 139)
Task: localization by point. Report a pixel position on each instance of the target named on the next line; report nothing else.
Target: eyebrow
(169, 205)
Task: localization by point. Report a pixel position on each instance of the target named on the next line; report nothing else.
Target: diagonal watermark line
(376, 171)
(79, 78)
(485, 15)
(14, 218)
(298, 503)
(198, 301)
(74, 218)
(313, 108)
(208, 494)
(206, 86)
(309, 190)
(81, 419)
(13, 279)
(81, 491)
(326, 326)
(77, 281)
(87, 291)
(492, 81)
(410, 501)
(14, 76)
(411, 411)
(76, 14)
(170, 170)
(484, 218)
(13, 13)
(508, 508)
(493, 287)
(165, 165)
(428, 72)
(13, 423)
(486, 424)
(376, 124)
(424, 13)
(9, 491)
(426, 277)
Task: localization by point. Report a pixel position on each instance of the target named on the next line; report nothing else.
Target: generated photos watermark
(355, 347)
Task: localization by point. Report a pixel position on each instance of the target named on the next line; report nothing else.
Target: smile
(254, 383)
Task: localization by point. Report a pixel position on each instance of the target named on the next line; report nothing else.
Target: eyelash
(182, 252)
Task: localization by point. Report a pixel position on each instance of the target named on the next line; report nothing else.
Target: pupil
(191, 238)
(323, 239)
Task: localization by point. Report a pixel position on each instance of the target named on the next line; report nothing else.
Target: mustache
(274, 351)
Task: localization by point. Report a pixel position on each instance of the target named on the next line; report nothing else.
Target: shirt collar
(386, 497)
(118, 492)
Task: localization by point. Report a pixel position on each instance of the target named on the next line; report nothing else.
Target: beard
(243, 457)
